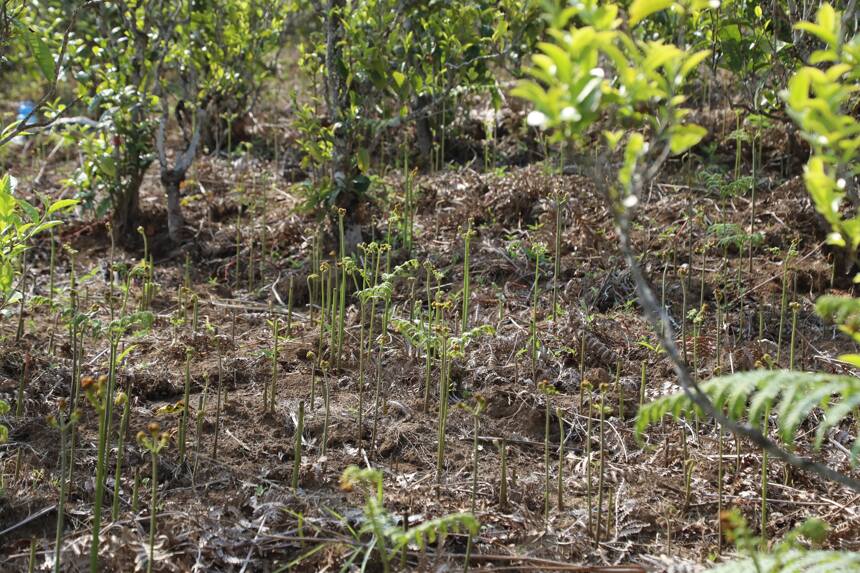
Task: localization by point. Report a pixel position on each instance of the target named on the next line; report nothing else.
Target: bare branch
(183, 162)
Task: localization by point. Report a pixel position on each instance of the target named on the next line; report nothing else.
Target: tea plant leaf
(641, 9)
(7, 275)
(40, 50)
(61, 204)
(684, 137)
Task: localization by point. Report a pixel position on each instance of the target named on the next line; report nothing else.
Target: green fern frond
(419, 335)
(427, 532)
(382, 291)
(789, 395)
(795, 561)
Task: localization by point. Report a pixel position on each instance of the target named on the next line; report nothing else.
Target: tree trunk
(337, 102)
(170, 180)
(423, 133)
(126, 211)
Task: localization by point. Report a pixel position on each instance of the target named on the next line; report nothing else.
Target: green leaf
(686, 136)
(32, 212)
(641, 9)
(61, 204)
(122, 356)
(693, 61)
(7, 201)
(7, 275)
(399, 78)
(40, 51)
(363, 158)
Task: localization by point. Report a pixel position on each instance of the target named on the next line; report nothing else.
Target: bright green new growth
(467, 293)
(21, 222)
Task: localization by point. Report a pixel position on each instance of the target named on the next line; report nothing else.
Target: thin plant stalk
(218, 404)
(443, 408)
(276, 331)
(560, 484)
(297, 448)
(183, 421)
(290, 310)
(428, 350)
(64, 425)
(601, 470)
(546, 486)
(378, 389)
(123, 400)
(503, 482)
(586, 387)
(783, 302)
(764, 483)
(467, 295)
(326, 405)
(342, 292)
(106, 407)
(795, 307)
(556, 267)
(135, 491)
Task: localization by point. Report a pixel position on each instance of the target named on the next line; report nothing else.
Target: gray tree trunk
(171, 180)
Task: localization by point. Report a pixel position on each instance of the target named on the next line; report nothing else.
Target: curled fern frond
(789, 395)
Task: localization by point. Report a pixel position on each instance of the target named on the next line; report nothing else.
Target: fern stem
(546, 463)
(561, 440)
(503, 479)
(297, 448)
(601, 475)
(719, 488)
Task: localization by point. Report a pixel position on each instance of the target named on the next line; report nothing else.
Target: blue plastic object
(25, 108)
